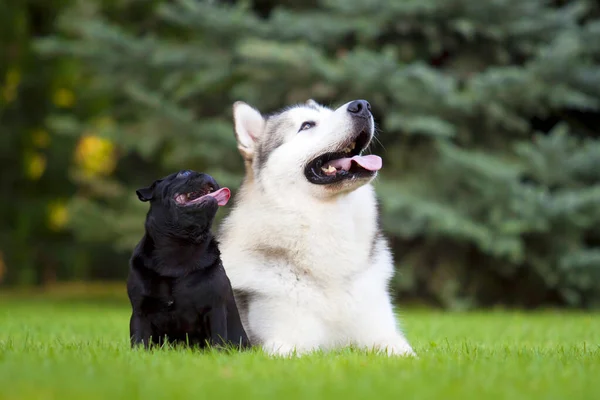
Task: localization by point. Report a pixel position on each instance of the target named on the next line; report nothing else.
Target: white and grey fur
(309, 266)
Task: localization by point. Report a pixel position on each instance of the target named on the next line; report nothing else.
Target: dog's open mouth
(347, 163)
(187, 199)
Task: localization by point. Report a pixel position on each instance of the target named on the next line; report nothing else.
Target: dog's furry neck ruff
(175, 258)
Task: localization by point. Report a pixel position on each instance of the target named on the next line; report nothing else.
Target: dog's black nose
(361, 108)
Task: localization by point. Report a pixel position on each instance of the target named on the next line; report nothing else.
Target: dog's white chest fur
(314, 277)
(308, 266)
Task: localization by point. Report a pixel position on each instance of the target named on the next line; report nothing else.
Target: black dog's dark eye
(306, 125)
(185, 173)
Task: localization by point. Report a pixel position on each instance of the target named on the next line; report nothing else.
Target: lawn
(71, 348)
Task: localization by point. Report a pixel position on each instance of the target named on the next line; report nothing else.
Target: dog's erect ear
(312, 103)
(147, 193)
(249, 126)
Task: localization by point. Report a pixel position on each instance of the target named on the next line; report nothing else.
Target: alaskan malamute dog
(302, 247)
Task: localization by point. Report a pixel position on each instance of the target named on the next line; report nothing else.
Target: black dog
(177, 286)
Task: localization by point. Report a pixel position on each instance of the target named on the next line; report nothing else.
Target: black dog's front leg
(140, 331)
(235, 330)
(217, 318)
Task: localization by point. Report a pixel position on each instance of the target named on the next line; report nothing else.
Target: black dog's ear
(147, 193)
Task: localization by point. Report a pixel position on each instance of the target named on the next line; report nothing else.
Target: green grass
(61, 348)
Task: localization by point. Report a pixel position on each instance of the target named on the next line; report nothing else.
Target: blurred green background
(488, 116)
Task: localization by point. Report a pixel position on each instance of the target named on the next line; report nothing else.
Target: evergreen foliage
(33, 188)
(487, 112)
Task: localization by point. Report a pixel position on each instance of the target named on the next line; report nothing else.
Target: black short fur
(177, 285)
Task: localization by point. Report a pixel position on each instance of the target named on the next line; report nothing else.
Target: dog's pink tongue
(222, 195)
(370, 162)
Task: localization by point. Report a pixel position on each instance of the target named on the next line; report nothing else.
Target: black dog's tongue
(222, 195)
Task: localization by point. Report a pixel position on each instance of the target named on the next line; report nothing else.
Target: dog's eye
(185, 173)
(306, 125)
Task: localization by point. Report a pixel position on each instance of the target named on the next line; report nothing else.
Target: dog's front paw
(397, 347)
(280, 349)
